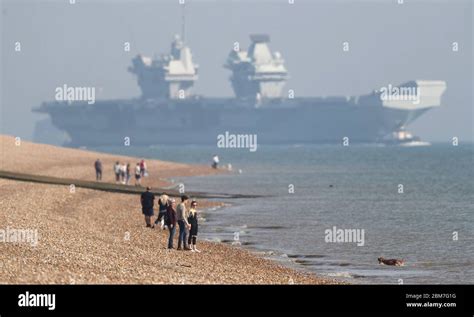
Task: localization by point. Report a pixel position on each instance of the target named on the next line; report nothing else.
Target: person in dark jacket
(193, 221)
(98, 170)
(170, 221)
(148, 200)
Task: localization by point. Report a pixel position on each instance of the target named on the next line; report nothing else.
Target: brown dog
(395, 262)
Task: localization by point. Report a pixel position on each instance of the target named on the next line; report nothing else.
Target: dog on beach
(394, 262)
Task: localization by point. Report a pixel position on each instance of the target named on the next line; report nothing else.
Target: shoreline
(281, 258)
(93, 237)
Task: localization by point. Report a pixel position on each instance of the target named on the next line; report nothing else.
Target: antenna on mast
(183, 20)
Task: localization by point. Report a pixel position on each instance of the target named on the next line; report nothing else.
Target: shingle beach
(94, 237)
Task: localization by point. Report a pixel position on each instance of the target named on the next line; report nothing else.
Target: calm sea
(413, 203)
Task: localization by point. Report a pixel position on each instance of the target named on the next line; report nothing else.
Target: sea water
(411, 203)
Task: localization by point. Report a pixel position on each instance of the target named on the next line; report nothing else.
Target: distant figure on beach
(163, 207)
(215, 161)
(127, 174)
(148, 200)
(193, 221)
(98, 170)
(117, 171)
(143, 171)
(138, 175)
(123, 173)
(170, 221)
(183, 224)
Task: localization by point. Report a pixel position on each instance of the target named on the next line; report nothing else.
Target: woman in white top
(138, 175)
(123, 173)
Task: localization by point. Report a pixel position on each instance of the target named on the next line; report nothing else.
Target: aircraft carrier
(168, 112)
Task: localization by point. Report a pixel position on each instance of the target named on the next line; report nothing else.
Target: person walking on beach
(148, 200)
(163, 206)
(170, 221)
(127, 174)
(98, 170)
(138, 175)
(143, 171)
(215, 161)
(182, 223)
(117, 171)
(123, 173)
(193, 221)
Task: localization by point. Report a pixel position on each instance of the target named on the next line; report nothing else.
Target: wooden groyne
(110, 187)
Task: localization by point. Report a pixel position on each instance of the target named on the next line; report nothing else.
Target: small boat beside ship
(167, 112)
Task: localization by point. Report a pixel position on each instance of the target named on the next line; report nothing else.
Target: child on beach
(193, 221)
(170, 221)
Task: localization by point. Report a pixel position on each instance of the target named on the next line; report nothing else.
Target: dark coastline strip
(109, 187)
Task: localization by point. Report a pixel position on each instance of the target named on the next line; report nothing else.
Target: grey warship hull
(168, 113)
(200, 121)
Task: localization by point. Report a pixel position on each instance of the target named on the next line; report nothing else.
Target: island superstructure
(170, 76)
(167, 112)
(257, 73)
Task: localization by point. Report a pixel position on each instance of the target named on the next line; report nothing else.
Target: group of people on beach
(123, 172)
(170, 215)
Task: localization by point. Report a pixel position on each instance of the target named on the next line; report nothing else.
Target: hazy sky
(82, 45)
